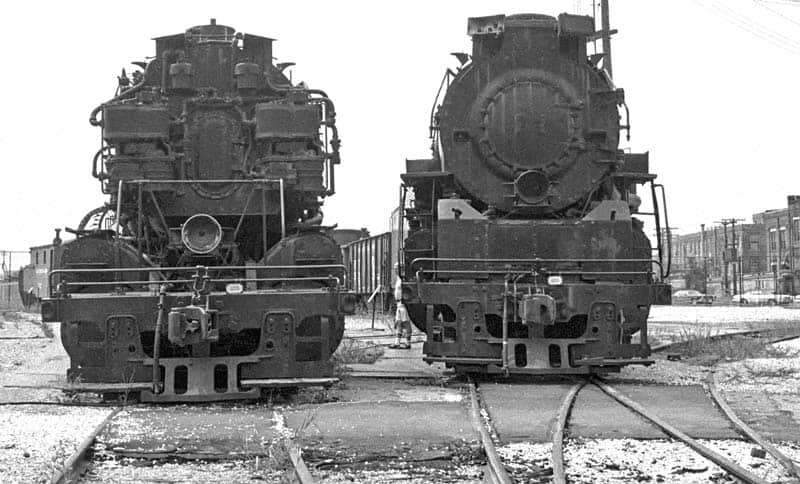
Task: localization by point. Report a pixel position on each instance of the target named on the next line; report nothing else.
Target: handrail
(519, 270)
(206, 269)
(665, 274)
(528, 261)
(194, 182)
(195, 268)
(549, 271)
(187, 281)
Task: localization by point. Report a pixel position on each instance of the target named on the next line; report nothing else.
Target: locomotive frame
(522, 251)
(213, 277)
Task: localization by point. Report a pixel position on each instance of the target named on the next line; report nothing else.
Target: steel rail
(559, 474)
(71, 469)
(751, 434)
(740, 473)
(496, 471)
(300, 469)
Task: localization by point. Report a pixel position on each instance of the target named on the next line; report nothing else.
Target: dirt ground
(412, 429)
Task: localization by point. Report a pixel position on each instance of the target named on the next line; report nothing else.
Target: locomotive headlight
(201, 233)
(234, 288)
(555, 280)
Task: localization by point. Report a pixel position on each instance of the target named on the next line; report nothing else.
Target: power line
(730, 17)
(793, 3)
(762, 4)
(775, 38)
(757, 26)
(755, 29)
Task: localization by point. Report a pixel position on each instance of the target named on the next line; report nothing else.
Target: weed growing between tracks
(47, 330)
(355, 351)
(703, 344)
(12, 316)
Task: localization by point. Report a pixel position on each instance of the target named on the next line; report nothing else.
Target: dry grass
(771, 372)
(355, 351)
(12, 316)
(704, 344)
(47, 330)
(278, 457)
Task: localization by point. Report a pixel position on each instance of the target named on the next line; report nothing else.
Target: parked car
(692, 296)
(763, 296)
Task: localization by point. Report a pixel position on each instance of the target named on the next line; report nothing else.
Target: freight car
(208, 275)
(33, 282)
(369, 264)
(525, 250)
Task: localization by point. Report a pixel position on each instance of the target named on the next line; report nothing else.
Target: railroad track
(495, 471)
(82, 459)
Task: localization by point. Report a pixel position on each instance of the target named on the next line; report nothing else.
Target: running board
(290, 382)
(613, 361)
(91, 387)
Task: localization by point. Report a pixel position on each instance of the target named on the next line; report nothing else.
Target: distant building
(704, 251)
(781, 230)
(782, 234)
(707, 246)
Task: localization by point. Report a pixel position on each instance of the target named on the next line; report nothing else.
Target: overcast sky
(712, 86)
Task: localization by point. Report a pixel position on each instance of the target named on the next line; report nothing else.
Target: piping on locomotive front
(208, 274)
(524, 247)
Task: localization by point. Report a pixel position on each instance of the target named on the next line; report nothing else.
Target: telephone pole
(730, 255)
(704, 257)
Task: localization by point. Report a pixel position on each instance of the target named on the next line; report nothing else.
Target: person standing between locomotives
(402, 323)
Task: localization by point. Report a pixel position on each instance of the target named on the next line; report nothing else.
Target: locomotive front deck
(470, 333)
(265, 337)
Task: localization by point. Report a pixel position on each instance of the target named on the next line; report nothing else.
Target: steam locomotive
(524, 247)
(208, 275)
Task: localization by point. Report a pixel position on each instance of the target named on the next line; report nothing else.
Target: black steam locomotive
(523, 247)
(208, 275)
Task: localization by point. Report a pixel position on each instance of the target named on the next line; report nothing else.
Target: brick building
(781, 230)
(705, 250)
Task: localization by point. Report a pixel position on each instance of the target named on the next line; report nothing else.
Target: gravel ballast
(35, 441)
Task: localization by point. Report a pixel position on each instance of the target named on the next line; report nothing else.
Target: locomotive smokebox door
(538, 309)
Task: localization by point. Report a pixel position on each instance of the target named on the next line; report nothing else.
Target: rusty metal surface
(524, 249)
(216, 165)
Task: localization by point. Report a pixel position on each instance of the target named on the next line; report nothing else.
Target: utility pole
(730, 254)
(716, 252)
(604, 17)
(735, 254)
(725, 258)
(704, 257)
(777, 254)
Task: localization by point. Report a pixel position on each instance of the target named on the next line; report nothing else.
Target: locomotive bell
(201, 233)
